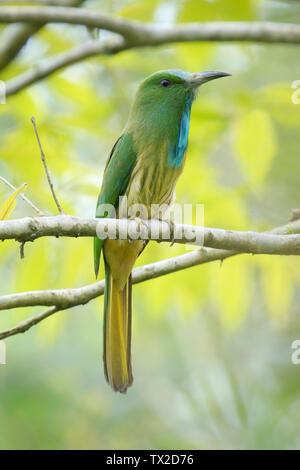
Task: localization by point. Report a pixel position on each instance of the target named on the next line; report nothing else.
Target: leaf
(10, 203)
(197, 10)
(255, 145)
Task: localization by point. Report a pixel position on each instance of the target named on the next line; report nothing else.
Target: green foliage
(219, 10)
(255, 145)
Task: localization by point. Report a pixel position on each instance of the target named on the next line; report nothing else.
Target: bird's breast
(152, 182)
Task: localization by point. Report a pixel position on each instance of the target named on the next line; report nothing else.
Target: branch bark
(25, 325)
(13, 38)
(31, 228)
(259, 31)
(84, 17)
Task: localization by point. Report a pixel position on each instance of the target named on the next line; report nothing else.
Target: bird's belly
(151, 186)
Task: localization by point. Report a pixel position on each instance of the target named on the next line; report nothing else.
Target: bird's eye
(165, 83)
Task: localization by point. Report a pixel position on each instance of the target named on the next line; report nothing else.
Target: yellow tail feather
(117, 334)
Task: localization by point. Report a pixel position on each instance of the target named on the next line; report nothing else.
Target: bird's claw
(140, 222)
(171, 225)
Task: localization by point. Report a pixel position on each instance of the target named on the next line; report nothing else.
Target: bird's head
(162, 99)
(173, 86)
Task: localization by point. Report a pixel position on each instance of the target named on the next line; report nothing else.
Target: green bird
(144, 165)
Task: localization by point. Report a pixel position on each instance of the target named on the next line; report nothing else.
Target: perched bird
(144, 165)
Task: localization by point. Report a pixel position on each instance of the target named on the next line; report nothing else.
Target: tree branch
(25, 325)
(259, 31)
(15, 36)
(43, 158)
(65, 298)
(84, 17)
(62, 299)
(49, 66)
(31, 228)
(134, 34)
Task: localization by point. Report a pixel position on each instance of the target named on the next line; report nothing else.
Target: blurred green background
(211, 344)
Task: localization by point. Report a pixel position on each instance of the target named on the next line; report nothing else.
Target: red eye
(165, 83)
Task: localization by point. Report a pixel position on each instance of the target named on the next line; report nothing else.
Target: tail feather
(117, 334)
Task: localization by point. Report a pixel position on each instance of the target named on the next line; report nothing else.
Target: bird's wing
(115, 180)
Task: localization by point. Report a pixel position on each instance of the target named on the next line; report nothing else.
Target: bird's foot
(140, 223)
(172, 228)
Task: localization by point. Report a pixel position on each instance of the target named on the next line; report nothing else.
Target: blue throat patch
(177, 151)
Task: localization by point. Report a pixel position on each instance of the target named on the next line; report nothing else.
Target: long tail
(117, 334)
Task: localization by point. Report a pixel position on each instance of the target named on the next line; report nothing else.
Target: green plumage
(117, 173)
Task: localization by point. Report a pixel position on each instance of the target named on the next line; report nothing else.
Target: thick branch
(134, 34)
(15, 36)
(77, 54)
(154, 34)
(56, 14)
(31, 228)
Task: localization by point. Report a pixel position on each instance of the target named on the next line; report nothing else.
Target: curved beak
(196, 79)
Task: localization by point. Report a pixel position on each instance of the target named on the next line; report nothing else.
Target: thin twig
(45, 166)
(39, 212)
(22, 254)
(25, 325)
